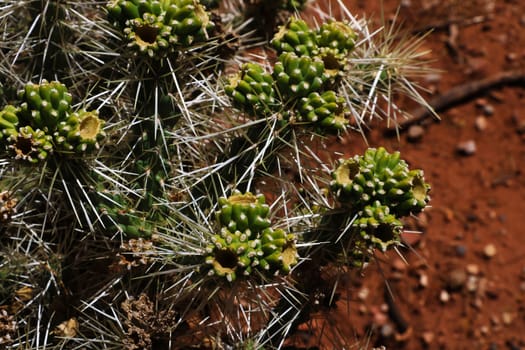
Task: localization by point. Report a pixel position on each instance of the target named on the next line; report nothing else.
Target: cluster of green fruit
(381, 189)
(246, 241)
(297, 88)
(44, 122)
(157, 27)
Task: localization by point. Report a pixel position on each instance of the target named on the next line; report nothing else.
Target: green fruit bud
(383, 177)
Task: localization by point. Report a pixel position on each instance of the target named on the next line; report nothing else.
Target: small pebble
(472, 284)
(461, 250)
(415, 133)
(481, 123)
(472, 269)
(428, 337)
(444, 296)
(363, 293)
(522, 287)
(507, 318)
(387, 330)
(489, 251)
(456, 279)
(423, 280)
(466, 148)
(488, 110)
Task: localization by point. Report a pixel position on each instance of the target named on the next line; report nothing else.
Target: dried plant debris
(145, 324)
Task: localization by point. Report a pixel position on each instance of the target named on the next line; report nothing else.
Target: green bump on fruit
(325, 110)
(335, 41)
(298, 76)
(244, 212)
(252, 89)
(44, 105)
(380, 176)
(295, 37)
(30, 145)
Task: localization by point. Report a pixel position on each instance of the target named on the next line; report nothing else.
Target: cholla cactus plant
(154, 184)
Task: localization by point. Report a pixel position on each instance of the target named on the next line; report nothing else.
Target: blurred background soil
(460, 283)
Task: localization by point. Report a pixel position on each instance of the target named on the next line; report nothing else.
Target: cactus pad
(380, 176)
(252, 89)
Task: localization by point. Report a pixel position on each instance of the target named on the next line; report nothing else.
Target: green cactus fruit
(279, 250)
(232, 254)
(379, 175)
(149, 35)
(335, 41)
(44, 105)
(30, 145)
(244, 212)
(295, 37)
(298, 76)
(325, 110)
(252, 89)
(377, 227)
(8, 121)
(190, 21)
(156, 28)
(80, 133)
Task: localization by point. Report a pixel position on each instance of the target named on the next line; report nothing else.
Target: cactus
(156, 28)
(377, 227)
(30, 145)
(80, 133)
(44, 105)
(252, 89)
(325, 110)
(242, 212)
(335, 41)
(246, 240)
(298, 76)
(296, 37)
(380, 176)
